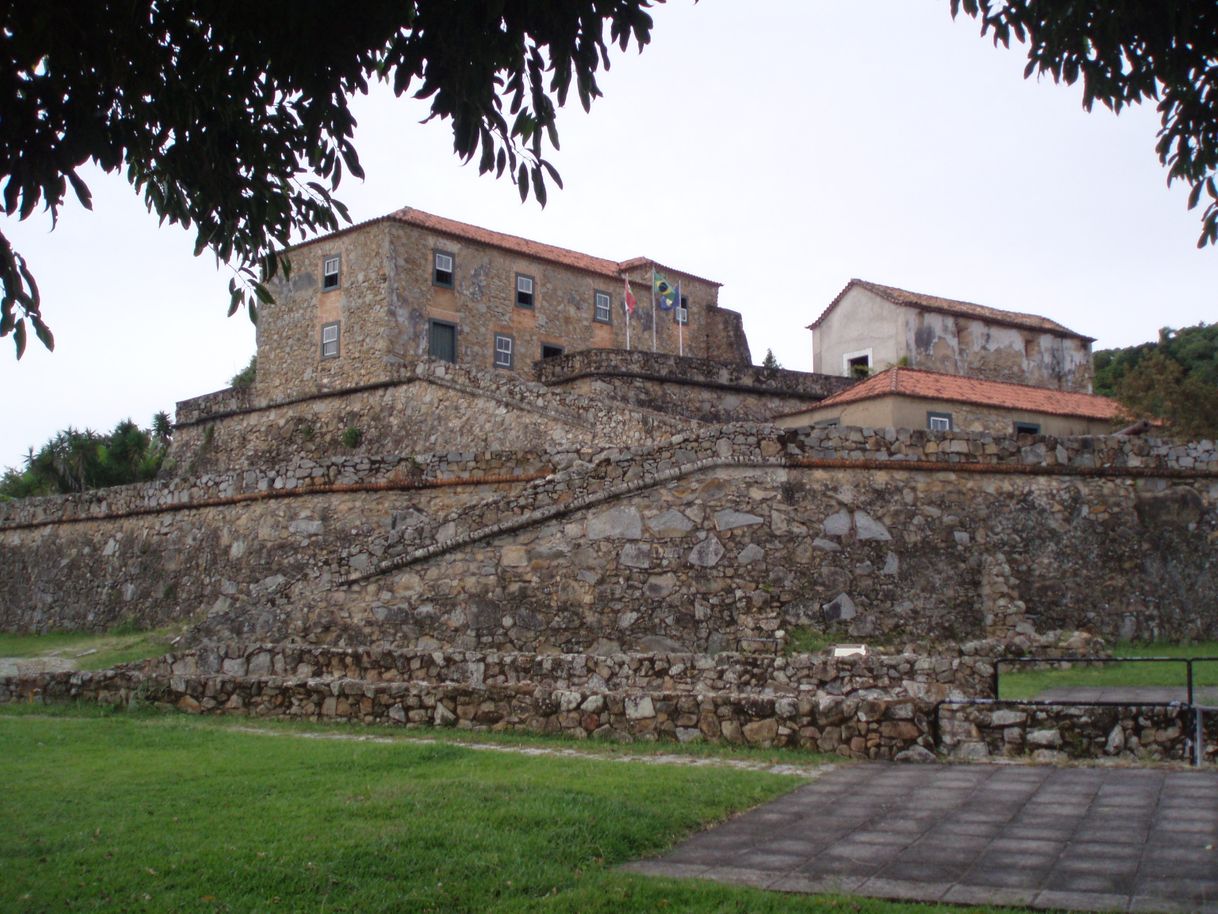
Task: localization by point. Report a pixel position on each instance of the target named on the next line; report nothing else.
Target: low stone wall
(856, 727)
(694, 388)
(925, 678)
(1057, 732)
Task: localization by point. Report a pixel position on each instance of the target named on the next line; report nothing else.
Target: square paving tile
(1080, 838)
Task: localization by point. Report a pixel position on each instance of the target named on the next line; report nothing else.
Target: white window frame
(438, 259)
(847, 357)
(525, 286)
(682, 310)
(331, 266)
(934, 416)
(602, 302)
(503, 355)
(330, 340)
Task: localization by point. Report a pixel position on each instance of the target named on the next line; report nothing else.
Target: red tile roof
(930, 385)
(535, 249)
(953, 307)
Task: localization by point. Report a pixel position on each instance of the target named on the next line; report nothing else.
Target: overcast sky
(780, 147)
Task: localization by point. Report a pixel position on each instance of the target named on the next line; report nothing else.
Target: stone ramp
(1087, 839)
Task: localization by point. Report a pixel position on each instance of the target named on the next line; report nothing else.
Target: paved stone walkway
(1083, 839)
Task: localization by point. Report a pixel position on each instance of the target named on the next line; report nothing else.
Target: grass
(1016, 682)
(92, 650)
(125, 812)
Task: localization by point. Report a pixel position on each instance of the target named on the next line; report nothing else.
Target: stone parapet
(875, 727)
(1051, 733)
(927, 678)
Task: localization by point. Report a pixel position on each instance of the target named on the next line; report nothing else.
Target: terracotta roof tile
(930, 385)
(951, 306)
(534, 249)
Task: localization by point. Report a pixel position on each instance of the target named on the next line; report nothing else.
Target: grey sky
(780, 148)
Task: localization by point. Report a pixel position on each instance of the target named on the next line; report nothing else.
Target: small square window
(442, 273)
(550, 352)
(683, 311)
(603, 312)
(524, 291)
(939, 422)
(1027, 428)
(329, 340)
(329, 272)
(859, 366)
(503, 351)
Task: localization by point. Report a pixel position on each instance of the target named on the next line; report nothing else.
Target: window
(549, 352)
(329, 340)
(329, 272)
(1027, 428)
(442, 274)
(503, 351)
(604, 308)
(524, 291)
(939, 422)
(442, 341)
(683, 311)
(859, 366)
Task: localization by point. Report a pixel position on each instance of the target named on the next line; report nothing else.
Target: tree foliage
(1174, 379)
(233, 118)
(1195, 349)
(74, 460)
(1126, 52)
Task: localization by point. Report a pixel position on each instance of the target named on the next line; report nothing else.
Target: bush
(245, 377)
(352, 437)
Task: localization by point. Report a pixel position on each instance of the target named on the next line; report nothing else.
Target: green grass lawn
(158, 813)
(1016, 682)
(91, 650)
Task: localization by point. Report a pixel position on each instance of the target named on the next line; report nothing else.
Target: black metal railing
(1195, 709)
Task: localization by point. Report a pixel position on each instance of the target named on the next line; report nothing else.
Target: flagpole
(626, 305)
(653, 309)
(680, 322)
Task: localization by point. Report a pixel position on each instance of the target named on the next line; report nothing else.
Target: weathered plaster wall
(947, 343)
(709, 541)
(909, 412)
(862, 322)
(969, 346)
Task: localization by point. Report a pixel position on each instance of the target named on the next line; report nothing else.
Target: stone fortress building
(405, 519)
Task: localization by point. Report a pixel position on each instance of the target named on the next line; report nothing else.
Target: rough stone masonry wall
(856, 727)
(697, 388)
(866, 707)
(708, 541)
(1050, 733)
(429, 407)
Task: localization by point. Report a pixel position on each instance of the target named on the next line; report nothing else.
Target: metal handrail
(1190, 701)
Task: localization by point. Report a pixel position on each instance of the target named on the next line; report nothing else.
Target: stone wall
(861, 707)
(717, 540)
(927, 678)
(1050, 733)
(698, 388)
(424, 408)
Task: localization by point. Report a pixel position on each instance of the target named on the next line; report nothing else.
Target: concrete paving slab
(1085, 839)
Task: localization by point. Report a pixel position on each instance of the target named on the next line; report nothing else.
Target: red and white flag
(630, 300)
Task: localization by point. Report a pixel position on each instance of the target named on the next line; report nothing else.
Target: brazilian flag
(665, 292)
